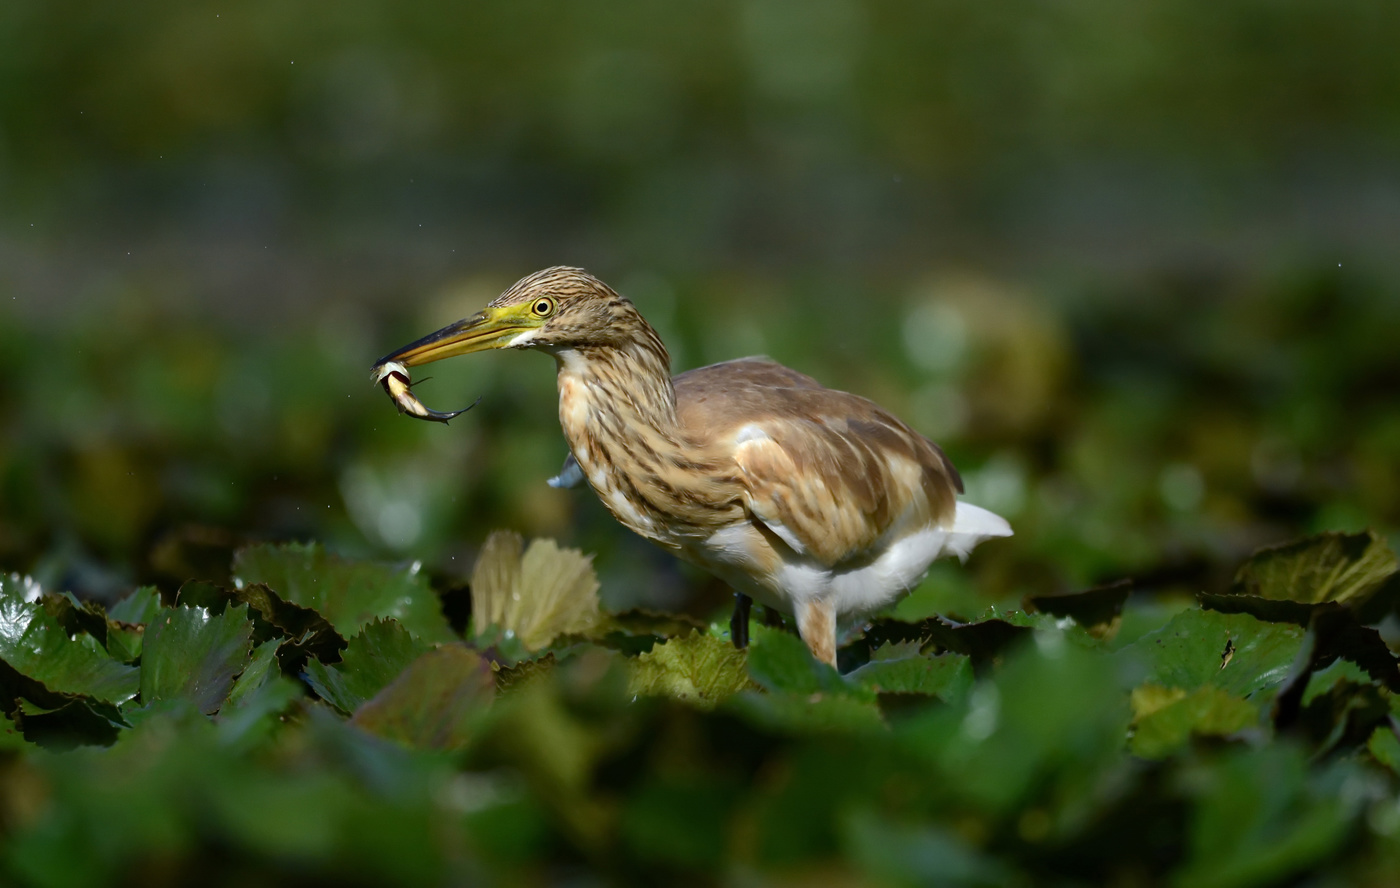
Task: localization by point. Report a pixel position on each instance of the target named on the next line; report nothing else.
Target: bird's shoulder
(829, 472)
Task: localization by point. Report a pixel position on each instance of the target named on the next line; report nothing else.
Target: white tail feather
(971, 525)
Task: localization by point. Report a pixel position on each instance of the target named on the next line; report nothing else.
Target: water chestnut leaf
(781, 663)
(817, 713)
(1347, 568)
(126, 623)
(138, 608)
(35, 645)
(192, 655)
(371, 660)
(1384, 747)
(1261, 814)
(11, 737)
(1233, 652)
(435, 703)
(262, 666)
(698, 668)
(349, 594)
(946, 676)
(1166, 718)
(535, 596)
(1098, 609)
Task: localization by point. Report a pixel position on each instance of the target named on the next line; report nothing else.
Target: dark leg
(739, 623)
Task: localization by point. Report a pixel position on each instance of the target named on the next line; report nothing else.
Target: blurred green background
(1133, 265)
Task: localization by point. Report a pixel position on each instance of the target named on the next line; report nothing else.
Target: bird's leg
(816, 623)
(739, 622)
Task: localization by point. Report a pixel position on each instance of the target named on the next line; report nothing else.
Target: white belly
(781, 578)
(742, 557)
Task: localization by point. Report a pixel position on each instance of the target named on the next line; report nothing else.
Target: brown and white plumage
(814, 501)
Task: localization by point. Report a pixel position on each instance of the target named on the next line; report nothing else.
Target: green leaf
(680, 820)
(1098, 608)
(11, 737)
(34, 644)
(136, 609)
(371, 660)
(262, 667)
(1384, 746)
(1262, 818)
(306, 629)
(1166, 718)
(349, 594)
(983, 640)
(901, 854)
(804, 694)
(780, 662)
(946, 676)
(814, 714)
(698, 668)
(246, 719)
(190, 655)
(638, 631)
(1190, 651)
(126, 623)
(536, 596)
(1344, 567)
(1049, 723)
(435, 703)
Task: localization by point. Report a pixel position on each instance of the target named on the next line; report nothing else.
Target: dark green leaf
(306, 629)
(1333, 633)
(254, 715)
(11, 737)
(261, 668)
(372, 659)
(946, 676)
(126, 622)
(680, 821)
(349, 594)
(435, 703)
(646, 622)
(638, 631)
(1049, 722)
(815, 713)
(191, 655)
(898, 854)
(1099, 607)
(34, 644)
(522, 673)
(1261, 818)
(982, 641)
(1267, 609)
(1384, 746)
(138, 608)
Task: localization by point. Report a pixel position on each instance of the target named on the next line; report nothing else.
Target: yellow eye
(543, 307)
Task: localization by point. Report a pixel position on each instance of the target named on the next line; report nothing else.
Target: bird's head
(554, 309)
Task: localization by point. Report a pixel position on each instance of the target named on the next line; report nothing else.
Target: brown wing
(829, 472)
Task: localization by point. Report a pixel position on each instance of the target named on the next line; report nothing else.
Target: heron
(812, 501)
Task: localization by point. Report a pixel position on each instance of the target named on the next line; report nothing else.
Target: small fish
(1228, 654)
(393, 376)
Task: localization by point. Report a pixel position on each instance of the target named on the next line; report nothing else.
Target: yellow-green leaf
(538, 595)
(698, 668)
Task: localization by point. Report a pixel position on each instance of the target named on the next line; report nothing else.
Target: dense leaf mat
(317, 722)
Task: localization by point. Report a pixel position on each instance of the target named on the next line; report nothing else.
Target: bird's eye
(543, 307)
